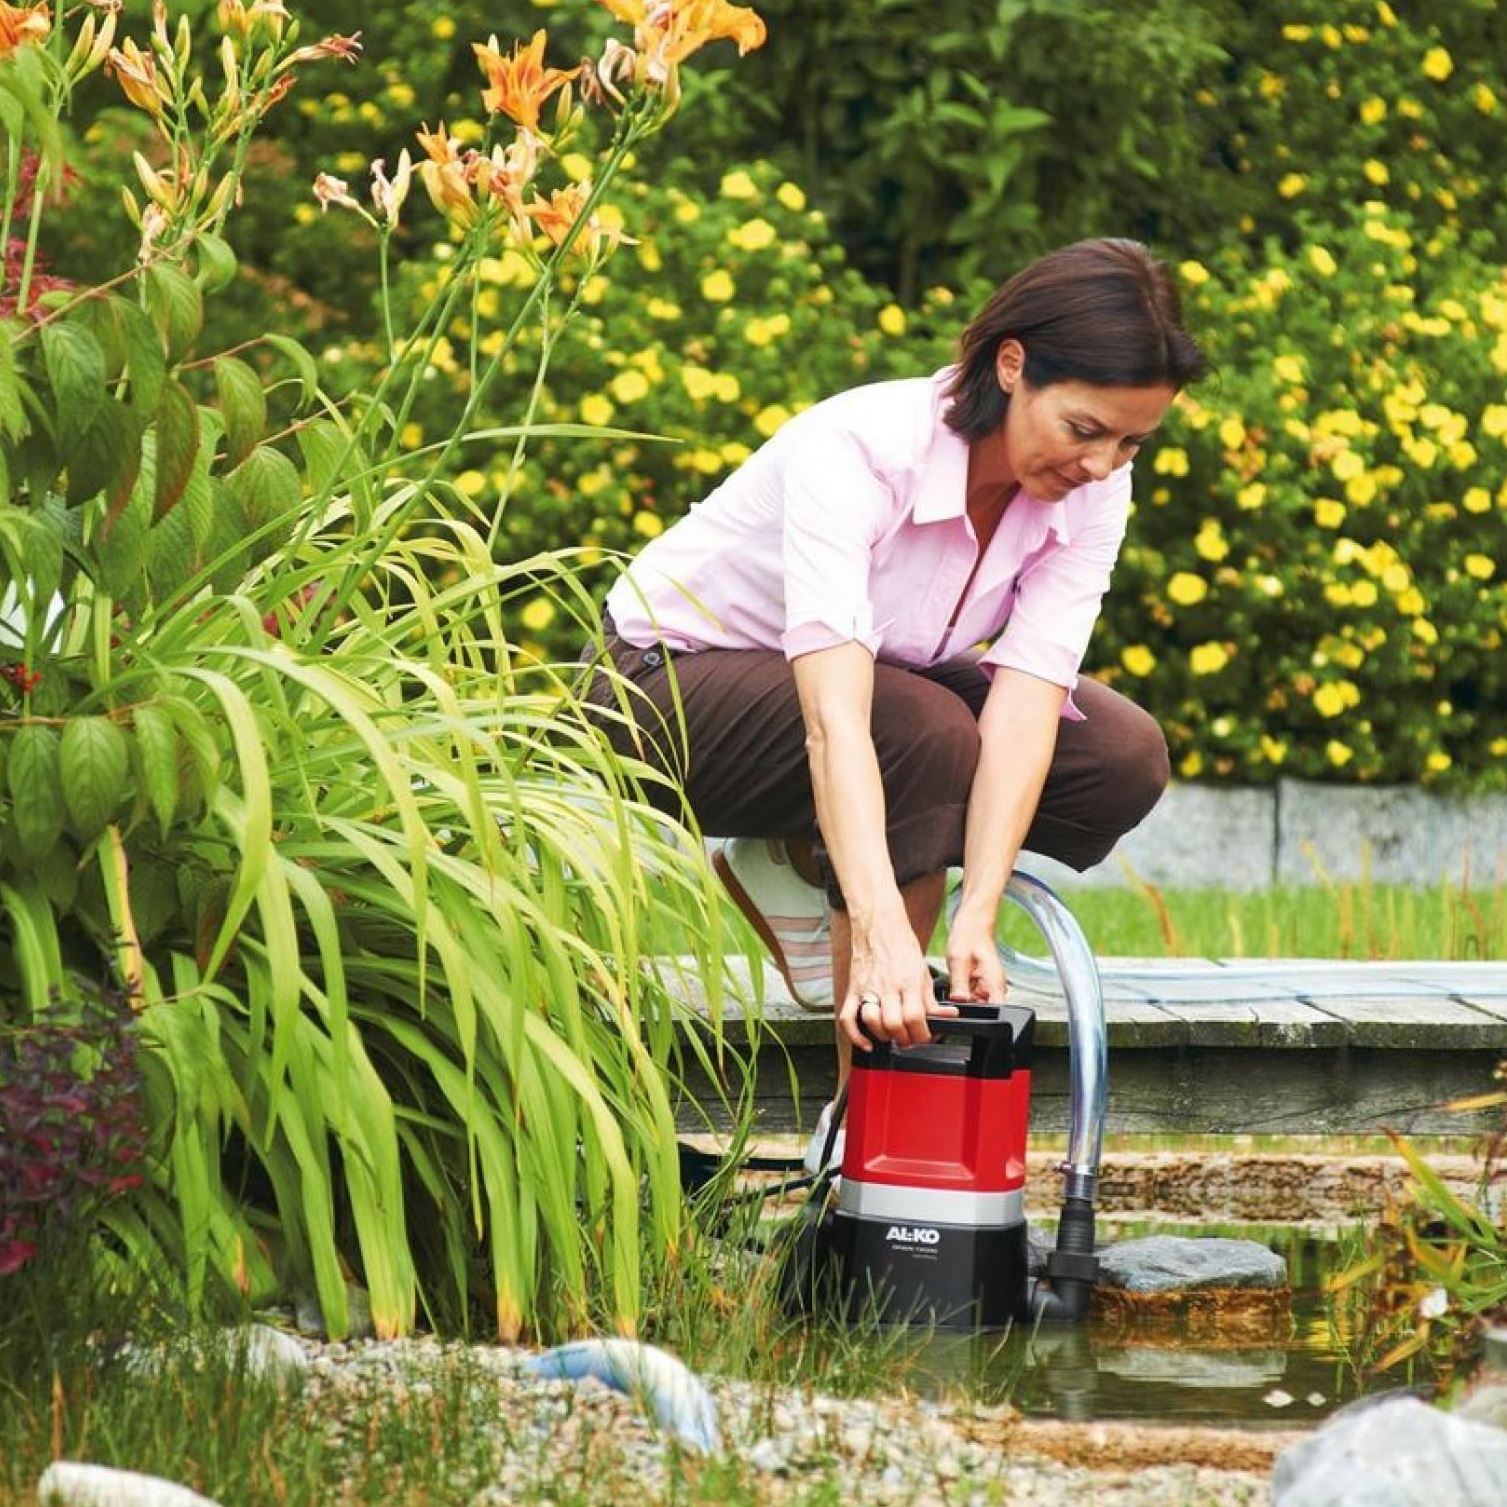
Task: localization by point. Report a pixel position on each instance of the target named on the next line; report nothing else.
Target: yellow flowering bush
(1343, 100)
(1311, 583)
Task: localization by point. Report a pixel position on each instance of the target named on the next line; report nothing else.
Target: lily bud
(226, 189)
(388, 194)
(83, 46)
(159, 190)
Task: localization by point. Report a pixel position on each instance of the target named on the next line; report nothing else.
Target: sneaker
(814, 1161)
(790, 916)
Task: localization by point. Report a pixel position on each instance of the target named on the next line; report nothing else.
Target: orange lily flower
(20, 24)
(558, 216)
(519, 85)
(669, 31)
(694, 23)
(445, 177)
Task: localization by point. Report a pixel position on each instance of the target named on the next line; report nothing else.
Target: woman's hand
(974, 969)
(890, 993)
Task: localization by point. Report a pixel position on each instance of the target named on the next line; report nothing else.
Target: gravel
(585, 1442)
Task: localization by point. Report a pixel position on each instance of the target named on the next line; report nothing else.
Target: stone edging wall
(1299, 832)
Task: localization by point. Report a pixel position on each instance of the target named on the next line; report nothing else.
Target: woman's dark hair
(1104, 312)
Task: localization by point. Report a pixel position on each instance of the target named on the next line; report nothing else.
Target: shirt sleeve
(1059, 591)
(837, 505)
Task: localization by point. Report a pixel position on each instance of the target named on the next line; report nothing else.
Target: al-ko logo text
(912, 1234)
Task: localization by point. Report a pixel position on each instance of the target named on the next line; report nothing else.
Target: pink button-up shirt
(850, 524)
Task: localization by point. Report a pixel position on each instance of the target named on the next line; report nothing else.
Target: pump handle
(982, 1022)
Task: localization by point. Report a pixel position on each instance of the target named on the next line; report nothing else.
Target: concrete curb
(1302, 833)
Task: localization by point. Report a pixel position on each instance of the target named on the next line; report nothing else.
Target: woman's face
(1065, 435)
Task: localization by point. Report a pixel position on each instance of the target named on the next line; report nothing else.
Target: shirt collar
(942, 492)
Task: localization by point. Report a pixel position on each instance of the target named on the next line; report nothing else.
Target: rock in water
(1181, 1263)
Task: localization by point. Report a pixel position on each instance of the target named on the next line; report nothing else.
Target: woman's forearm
(836, 690)
(1018, 734)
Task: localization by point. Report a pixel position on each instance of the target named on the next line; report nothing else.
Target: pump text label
(912, 1234)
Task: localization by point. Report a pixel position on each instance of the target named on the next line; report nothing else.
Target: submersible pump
(929, 1224)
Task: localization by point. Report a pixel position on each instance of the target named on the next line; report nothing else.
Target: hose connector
(1072, 1267)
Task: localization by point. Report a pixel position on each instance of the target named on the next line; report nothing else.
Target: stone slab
(1343, 1049)
(1413, 1025)
(1279, 1024)
(1349, 1091)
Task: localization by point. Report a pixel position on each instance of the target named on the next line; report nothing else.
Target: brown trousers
(725, 726)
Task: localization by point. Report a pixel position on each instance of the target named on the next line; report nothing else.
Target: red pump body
(930, 1222)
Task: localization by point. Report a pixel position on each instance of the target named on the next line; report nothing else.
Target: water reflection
(1266, 1375)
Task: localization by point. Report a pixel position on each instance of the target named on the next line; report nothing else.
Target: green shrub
(1313, 580)
(383, 907)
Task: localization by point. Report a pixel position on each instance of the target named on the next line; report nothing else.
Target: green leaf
(120, 549)
(36, 790)
(12, 114)
(24, 78)
(58, 875)
(201, 751)
(226, 547)
(33, 939)
(102, 318)
(244, 405)
(146, 365)
(326, 445)
(94, 761)
(303, 363)
(216, 262)
(177, 447)
(176, 306)
(157, 749)
(171, 556)
(12, 414)
(42, 554)
(197, 506)
(268, 486)
(75, 365)
(106, 457)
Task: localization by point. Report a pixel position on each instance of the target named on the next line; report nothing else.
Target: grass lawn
(1447, 923)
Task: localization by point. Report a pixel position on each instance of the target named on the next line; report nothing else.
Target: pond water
(1283, 1375)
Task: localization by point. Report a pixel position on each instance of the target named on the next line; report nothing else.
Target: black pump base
(942, 1276)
